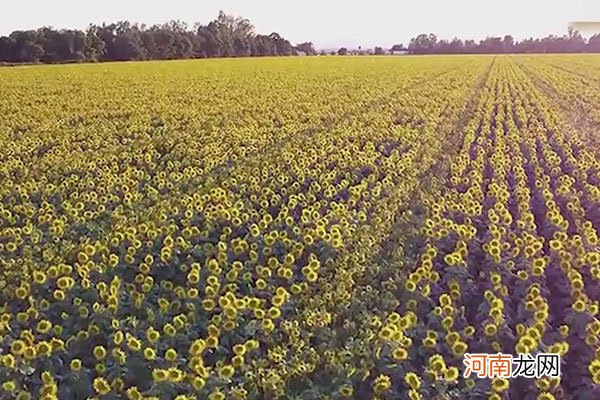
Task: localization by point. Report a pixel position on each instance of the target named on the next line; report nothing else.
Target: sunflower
(9, 386)
(149, 354)
(579, 306)
(216, 395)
(30, 353)
(18, 347)
(101, 386)
(437, 363)
(500, 384)
(8, 361)
(399, 354)
(386, 333)
(412, 380)
(226, 372)
(447, 322)
(160, 375)
(23, 396)
(382, 384)
(175, 375)
(346, 391)
(99, 352)
(43, 348)
(459, 348)
(198, 383)
(451, 374)
(171, 355)
(490, 329)
(545, 396)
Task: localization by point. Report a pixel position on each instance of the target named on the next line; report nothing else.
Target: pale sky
(327, 23)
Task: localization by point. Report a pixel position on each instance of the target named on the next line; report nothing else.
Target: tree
(126, 43)
(575, 42)
(8, 49)
(508, 43)
(282, 46)
(27, 46)
(443, 46)
(60, 46)
(307, 48)
(342, 51)
(423, 44)
(456, 46)
(593, 45)
(95, 48)
(491, 45)
(470, 46)
(207, 42)
(265, 46)
(379, 51)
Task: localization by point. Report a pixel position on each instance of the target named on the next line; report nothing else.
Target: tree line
(226, 36)
(229, 36)
(572, 42)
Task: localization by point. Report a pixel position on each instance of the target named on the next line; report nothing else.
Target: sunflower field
(299, 228)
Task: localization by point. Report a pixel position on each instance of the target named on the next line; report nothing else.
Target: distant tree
(181, 42)
(575, 42)
(127, 44)
(443, 46)
(64, 45)
(283, 47)
(456, 46)
(265, 46)
(379, 51)
(122, 40)
(529, 46)
(342, 51)
(26, 46)
(423, 44)
(491, 45)
(593, 45)
(307, 48)
(208, 45)
(508, 44)
(397, 47)
(232, 35)
(95, 47)
(8, 49)
(470, 46)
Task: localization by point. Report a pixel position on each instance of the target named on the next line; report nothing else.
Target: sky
(327, 23)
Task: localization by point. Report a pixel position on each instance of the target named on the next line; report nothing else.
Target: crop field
(299, 228)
